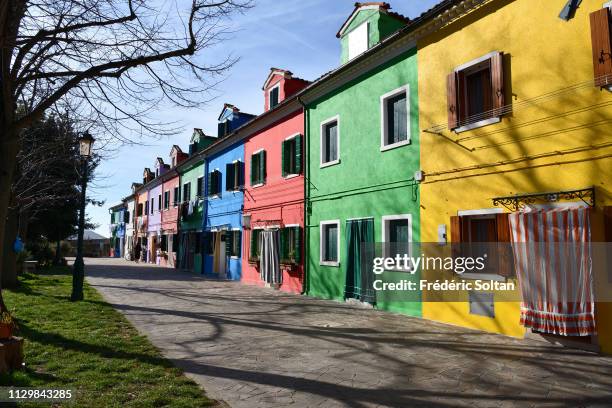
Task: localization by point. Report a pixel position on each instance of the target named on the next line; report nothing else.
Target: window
(139, 210)
(290, 247)
(214, 183)
(330, 142)
(478, 232)
(395, 118)
(397, 236)
(234, 175)
(258, 168)
(255, 251)
(199, 187)
(166, 200)
(187, 191)
(232, 243)
(358, 40)
(223, 128)
(159, 202)
(176, 198)
(164, 243)
(601, 41)
(152, 206)
(476, 93)
(291, 160)
(209, 242)
(126, 217)
(330, 243)
(274, 96)
(146, 207)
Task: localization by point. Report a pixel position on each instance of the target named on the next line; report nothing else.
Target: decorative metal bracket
(519, 201)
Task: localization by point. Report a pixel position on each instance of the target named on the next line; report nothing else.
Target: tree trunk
(9, 259)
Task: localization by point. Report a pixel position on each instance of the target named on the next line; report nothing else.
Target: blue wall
(224, 212)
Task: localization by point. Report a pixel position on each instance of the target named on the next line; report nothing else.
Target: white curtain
(269, 259)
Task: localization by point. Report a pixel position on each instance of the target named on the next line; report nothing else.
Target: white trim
(258, 185)
(292, 225)
(321, 240)
(482, 211)
(236, 229)
(290, 176)
(384, 220)
(383, 118)
(275, 86)
(475, 61)
(479, 124)
(293, 136)
(352, 17)
(257, 152)
(321, 135)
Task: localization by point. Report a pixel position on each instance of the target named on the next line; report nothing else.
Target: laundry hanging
(552, 254)
(269, 259)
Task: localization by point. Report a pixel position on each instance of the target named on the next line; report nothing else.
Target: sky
(298, 35)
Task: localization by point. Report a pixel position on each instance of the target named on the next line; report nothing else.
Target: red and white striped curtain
(552, 255)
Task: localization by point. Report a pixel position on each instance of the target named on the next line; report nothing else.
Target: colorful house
(362, 152)
(274, 187)
(130, 225)
(191, 173)
(170, 208)
(222, 222)
(508, 137)
(142, 214)
(155, 210)
(117, 229)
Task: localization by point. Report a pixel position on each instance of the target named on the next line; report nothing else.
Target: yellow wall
(561, 142)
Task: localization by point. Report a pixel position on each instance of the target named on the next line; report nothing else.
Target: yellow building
(509, 106)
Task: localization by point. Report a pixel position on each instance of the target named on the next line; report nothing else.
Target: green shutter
(251, 171)
(238, 239)
(298, 244)
(284, 158)
(209, 183)
(229, 179)
(298, 154)
(228, 243)
(252, 250)
(263, 167)
(283, 241)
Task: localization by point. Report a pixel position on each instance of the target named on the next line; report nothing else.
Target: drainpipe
(306, 169)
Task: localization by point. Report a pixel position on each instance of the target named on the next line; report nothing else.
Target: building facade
(362, 154)
(274, 189)
(504, 134)
(170, 208)
(117, 230)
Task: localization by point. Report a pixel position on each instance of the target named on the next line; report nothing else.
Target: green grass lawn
(91, 348)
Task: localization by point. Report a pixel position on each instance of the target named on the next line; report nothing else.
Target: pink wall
(279, 199)
(170, 217)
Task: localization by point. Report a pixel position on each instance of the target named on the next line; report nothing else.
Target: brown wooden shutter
(497, 83)
(451, 94)
(505, 258)
(607, 213)
(602, 47)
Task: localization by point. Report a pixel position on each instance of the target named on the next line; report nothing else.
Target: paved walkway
(254, 347)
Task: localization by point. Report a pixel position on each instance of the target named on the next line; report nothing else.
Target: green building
(191, 173)
(362, 154)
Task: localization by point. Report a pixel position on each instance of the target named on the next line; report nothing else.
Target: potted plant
(7, 324)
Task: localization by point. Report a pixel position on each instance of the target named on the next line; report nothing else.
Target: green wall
(194, 222)
(381, 26)
(367, 182)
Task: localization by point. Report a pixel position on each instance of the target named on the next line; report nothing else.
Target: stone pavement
(254, 347)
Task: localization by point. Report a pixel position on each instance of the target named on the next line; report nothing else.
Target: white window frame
(383, 118)
(385, 237)
(293, 136)
(481, 213)
(484, 122)
(322, 224)
(351, 35)
(276, 86)
(322, 138)
(239, 230)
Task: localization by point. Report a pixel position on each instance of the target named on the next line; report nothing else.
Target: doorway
(360, 254)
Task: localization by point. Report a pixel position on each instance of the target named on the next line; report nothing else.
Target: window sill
(331, 163)
(483, 276)
(395, 145)
(214, 197)
(290, 176)
(258, 185)
(329, 263)
(479, 124)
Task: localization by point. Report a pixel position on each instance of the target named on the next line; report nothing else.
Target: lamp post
(78, 273)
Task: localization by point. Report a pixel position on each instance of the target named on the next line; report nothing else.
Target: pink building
(170, 208)
(274, 185)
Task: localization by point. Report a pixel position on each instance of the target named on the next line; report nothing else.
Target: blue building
(118, 214)
(224, 175)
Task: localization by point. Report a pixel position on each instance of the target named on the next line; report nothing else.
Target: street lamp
(78, 273)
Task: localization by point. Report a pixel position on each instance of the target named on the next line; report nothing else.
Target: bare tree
(112, 62)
